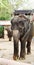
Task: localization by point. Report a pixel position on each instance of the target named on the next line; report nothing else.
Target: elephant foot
(16, 57)
(28, 53)
(22, 56)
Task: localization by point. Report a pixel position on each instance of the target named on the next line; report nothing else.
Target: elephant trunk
(16, 35)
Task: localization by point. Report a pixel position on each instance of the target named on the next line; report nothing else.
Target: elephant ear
(14, 22)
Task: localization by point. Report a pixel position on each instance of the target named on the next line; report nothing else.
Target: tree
(5, 10)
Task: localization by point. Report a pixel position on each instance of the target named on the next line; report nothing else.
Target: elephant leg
(9, 38)
(16, 40)
(28, 47)
(29, 39)
(22, 53)
(15, 56)
(29, 44)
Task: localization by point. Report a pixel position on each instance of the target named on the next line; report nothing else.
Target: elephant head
(20, 24)
(17, 25)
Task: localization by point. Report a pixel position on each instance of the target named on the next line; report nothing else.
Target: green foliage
(2, 18)
(5, 10)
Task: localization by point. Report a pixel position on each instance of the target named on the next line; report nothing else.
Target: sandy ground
(6, 50)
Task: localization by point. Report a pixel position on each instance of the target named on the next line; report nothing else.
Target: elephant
(9, 32)
(22, 30)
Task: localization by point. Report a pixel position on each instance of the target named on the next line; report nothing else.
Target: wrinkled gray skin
(22, 30)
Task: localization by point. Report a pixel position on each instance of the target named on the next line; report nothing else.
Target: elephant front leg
(16, 41)
(15, 56)
(22, 53)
